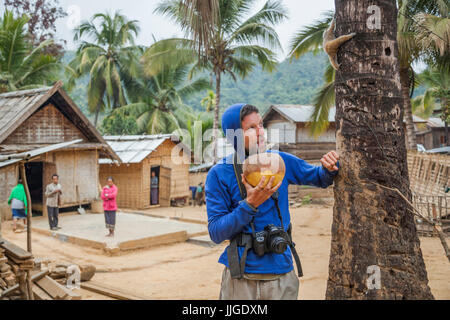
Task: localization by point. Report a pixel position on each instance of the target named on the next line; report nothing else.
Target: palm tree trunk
(375, 250)
(216, 118)
(410, 131)
(96, 116)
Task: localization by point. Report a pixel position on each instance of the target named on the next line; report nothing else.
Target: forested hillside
(292, 83)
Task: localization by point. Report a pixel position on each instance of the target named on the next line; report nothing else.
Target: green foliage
(209, 101)
(195, 132)
(437, 94)
(108, 60)
(292, 83)
(157, 101)
(411, 42)
(119, 124)
(23, 66)
(310, 38)
(237, 41)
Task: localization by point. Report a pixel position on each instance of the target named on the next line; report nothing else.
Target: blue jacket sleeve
(223, 222)
(300, 172)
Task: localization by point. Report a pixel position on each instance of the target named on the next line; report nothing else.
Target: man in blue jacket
(233, 213)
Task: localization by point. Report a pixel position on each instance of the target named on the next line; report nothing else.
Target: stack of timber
(15, 264)
(51, 282)
(46, 288)
(61, 271)
(21, 276)
(7, 276)
(22, 279)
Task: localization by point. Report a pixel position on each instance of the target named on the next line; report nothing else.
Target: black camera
(272, 240)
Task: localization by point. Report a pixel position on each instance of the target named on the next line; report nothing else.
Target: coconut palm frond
(310, 38)
(323, 101)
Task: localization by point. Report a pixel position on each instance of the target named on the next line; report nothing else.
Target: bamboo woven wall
(133, 180)
(429, 173)
(128, 179)
(76, 168)
(73, 167)
(8, 180)
(196, 178)
(46, 126)
(179, 182)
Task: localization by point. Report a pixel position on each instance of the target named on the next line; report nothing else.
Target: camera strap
(237, 268)
(238, 171)
(291, 243)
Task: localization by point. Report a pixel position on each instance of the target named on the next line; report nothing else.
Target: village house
(46, 129)
(287, 126)
(140, 155)
(434, 135)
(198, 172)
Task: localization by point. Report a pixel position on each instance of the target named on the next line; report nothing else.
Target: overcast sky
(301, 13)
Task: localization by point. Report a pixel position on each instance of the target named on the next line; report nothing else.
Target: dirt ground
(189, 271)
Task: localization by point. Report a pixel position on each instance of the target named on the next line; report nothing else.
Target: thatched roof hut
(47, 129)
(140, 155)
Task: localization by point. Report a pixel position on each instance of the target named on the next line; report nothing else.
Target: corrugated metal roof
(436, 123)
(297, 113)
(443, 150)
(224, 149)
(134, 149)
(417, 119)
(202, 167)
(36, 152)
(300, 113)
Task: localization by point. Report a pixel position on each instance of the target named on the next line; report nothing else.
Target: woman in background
(109, 195)
(154, 189)
(18, 202)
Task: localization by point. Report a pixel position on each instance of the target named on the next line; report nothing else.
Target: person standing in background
(18, 202)
(109, 195)
(53, 192)
(199, 194)
(154, 189)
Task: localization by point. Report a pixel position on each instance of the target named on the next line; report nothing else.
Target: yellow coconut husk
(266, 165)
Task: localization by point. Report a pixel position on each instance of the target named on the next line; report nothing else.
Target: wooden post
(29, 286)
(23, 285)
(28, 283)
(433, 207)
(29, 210)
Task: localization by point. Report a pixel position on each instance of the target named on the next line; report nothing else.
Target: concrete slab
(132, 231)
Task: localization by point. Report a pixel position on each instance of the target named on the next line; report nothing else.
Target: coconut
(262, 165)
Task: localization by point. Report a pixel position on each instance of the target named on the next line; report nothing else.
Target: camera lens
(278, 245)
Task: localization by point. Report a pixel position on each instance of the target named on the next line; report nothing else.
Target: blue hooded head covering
(232, 129)
(231, 120)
